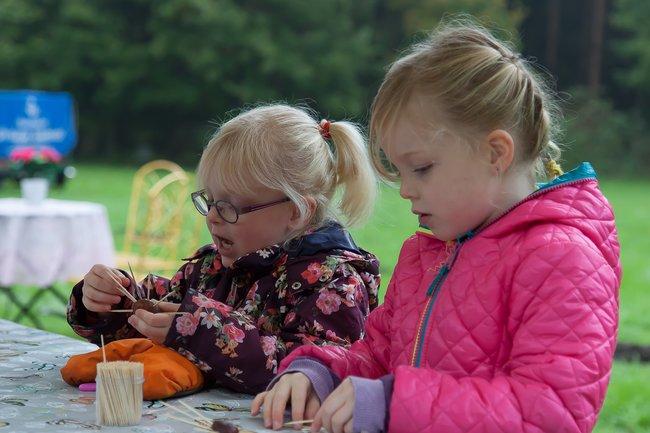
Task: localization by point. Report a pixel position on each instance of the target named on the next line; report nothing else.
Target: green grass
(626, 404)
(625, 409)
(632, 209)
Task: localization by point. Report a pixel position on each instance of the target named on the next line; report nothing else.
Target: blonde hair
(282, 148)
(479, 84)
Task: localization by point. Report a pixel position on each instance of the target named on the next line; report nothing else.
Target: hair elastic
(324, 129)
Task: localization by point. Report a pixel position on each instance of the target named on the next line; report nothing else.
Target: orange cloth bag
(166, 372)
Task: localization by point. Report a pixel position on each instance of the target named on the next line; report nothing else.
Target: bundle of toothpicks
(119, 392)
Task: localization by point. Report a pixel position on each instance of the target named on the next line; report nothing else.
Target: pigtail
(353, 170)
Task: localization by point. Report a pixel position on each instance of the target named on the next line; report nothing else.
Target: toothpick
(122, 289)
(132, 276)
(173, 313)
(101, 336)
(163, 298)
(194, 410)
(189, 415)
(195, 424)
(304, 421)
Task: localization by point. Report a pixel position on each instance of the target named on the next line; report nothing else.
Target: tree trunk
(552, 34)
(596, 45)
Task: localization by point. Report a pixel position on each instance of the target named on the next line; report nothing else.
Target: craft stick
(120, 311)
(101, 336)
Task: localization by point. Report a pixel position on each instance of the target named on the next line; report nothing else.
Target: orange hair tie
(324, 129)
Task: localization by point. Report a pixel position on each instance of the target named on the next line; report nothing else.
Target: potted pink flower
(35, 168)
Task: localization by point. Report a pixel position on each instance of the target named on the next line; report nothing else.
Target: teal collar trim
(582, 171)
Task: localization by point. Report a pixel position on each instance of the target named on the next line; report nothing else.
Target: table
(54, 241)
(34, 398)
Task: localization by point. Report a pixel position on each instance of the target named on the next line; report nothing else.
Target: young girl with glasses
(502, 317)
(281, 271)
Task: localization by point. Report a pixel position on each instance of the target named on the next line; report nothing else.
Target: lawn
(626, 406)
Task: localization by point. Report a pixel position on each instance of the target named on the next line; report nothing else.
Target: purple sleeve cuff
(322, 378)
(371, 402)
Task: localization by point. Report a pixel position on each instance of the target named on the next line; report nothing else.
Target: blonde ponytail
(353, 171)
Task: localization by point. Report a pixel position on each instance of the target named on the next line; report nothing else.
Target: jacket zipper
(432, 294)
(434, 287)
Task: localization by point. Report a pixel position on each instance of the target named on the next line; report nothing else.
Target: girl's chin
(226, 261)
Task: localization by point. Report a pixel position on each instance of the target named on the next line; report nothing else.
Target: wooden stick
(194, 410)
(173, 313)
(304, 421)
(163, 298)
(195, 424)
(123, 290)
(101, 336)
(133, 279)
(189, 415)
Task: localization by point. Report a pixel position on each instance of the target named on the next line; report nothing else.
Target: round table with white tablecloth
(54, 241)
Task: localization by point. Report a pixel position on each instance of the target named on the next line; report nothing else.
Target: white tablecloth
(53, 241)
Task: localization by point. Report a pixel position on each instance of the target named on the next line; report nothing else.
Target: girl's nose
(213, 216)
(405, 191)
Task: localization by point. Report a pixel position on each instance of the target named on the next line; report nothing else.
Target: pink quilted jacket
(515, 333)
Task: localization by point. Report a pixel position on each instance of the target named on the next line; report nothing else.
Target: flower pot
(34, 189)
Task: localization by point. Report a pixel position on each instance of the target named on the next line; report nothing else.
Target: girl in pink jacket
(503, 317)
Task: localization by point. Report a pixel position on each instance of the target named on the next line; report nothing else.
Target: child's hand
(335, 415)
(304, 401)
(100, 290)
(155, 326)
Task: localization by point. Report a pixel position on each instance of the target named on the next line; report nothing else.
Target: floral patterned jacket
(244, 319)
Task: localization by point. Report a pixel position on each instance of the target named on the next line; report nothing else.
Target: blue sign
(36, 119)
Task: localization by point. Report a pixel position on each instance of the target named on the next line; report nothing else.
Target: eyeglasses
(226, 210)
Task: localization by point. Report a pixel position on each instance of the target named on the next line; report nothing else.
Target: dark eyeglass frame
(238, 210)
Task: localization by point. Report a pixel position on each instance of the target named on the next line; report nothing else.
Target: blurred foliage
(615, 141)
(149, 76)
(631, 18)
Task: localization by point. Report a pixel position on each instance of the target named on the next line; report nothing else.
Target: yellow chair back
(158, 228)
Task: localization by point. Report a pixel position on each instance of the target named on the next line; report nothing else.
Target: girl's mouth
(223, 243)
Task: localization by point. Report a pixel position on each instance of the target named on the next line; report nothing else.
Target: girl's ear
(501, 148)
(297, 221)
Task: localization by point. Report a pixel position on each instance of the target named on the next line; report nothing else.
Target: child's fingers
(169, 307)
(154, 320)
(268, 407)
(330, 407)
(280, 399)
(312, 407)
(97, 296)
(94, 306)
(257, 403)
(317, 424)
(298, 403)
(104, 280)
(153, 333)
(348, 426)
(340, 418)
